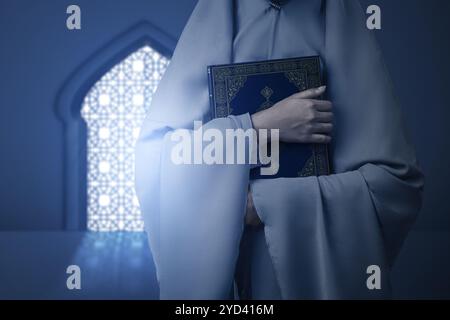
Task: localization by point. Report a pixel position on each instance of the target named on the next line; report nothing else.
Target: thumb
(310, 93)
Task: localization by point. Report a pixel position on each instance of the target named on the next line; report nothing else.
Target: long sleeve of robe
(320, 233)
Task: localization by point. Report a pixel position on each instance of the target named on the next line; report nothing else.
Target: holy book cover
(254, 86)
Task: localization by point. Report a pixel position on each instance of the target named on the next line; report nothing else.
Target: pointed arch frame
(68, 110)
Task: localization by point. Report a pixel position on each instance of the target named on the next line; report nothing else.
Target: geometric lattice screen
(114, 109)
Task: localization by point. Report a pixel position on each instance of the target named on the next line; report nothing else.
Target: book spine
(212, 105)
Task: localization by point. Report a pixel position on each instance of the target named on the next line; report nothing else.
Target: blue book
(251, 87)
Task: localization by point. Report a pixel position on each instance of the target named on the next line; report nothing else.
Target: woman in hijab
(313, 237)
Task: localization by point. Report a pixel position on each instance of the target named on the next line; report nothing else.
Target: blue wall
(38, 54)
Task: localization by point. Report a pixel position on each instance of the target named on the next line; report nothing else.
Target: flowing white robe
(320, 233)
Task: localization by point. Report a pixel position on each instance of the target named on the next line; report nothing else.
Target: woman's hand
(251, 216)
(301, 118)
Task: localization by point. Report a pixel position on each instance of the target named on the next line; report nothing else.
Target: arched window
(114, 109)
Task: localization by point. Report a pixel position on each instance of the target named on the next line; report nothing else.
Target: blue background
(37, 56)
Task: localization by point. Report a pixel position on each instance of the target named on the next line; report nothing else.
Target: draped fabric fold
(321, 233)
(193, 213)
